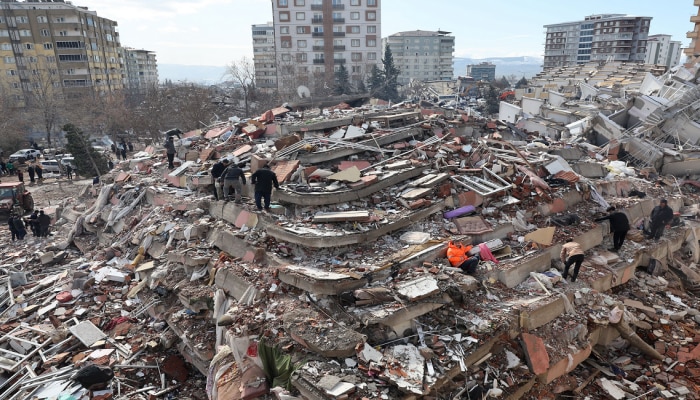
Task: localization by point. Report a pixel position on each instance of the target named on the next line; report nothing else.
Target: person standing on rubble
(661, 215)
(11, 225)
(20, 230)
(44, 223)
(619, 225)
(30, 172)
(33, 222)
(39, 173)
(263, 179)
(170, 151)
(234, 177)
(571, 253)
(216, 172)
(20, 175)
(122, 149)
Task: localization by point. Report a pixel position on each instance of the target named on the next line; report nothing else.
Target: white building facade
(422, 55)
(661, 50)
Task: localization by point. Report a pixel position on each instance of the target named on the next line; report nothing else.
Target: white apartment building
(141, 69)
(661, 50)
(264, 57)
(313, 38)
(601, 37)
(422, 55)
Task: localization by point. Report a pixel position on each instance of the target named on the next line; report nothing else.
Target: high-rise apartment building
(422, 55)
(484, 71)
(693, 51)
(54, 43)
(264, 57)
(141, 69)
(614, 37)
(661, 50)
(313, 38)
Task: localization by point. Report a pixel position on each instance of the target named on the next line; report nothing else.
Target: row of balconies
(318, 7)
(321, 34)
(322, 48)
(335, 61)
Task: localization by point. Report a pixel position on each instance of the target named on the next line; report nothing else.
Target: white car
(50, 166)
(24, 155)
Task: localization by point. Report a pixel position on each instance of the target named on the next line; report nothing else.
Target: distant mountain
(202, 74)
(505, 66)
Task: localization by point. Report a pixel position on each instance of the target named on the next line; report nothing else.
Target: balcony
(695, 18)
(317, 34)
(339, 34)
(317, 20)
(319, 61)
(318, 48)
(339, 48)
(339, 20)
(317, 7)
(339, 61)
(339, 6)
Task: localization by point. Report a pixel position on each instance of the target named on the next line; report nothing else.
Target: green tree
(88, 161)
(391, 76)
(492, 102)
(522, 83)
(376, 82)
(342, 81)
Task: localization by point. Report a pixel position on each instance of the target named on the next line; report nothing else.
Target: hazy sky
(216, 32)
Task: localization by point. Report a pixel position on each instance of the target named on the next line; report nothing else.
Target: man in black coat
(619, 225)
(264, 179)
(216, 172)
(44, 223)
(661, 215)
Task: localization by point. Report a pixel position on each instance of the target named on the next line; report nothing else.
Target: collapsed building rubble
(342, 289)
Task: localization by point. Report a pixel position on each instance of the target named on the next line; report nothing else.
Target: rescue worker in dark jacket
(233, 177)
(33, 222)
(264, 179)
(216, 172)
(661, 215)
(170, 151)
(619, 225)
(44, 223)
(20, 230)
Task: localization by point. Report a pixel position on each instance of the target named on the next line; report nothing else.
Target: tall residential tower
(614, 37)
(59, 45)
(313, 38)
(422, 55)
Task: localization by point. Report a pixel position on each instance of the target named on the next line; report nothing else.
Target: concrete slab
(318, 281)
(87, 333)
(535, 353)
(234, 285)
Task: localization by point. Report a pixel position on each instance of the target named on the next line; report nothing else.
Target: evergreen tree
(492, 102)
(376, 82)
(361, 88)
(521, 83)
(342, 81)
(88, 161)
(391, 76)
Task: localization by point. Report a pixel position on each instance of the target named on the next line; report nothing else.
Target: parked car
(50, 166)
(24, 155)
(68, 161)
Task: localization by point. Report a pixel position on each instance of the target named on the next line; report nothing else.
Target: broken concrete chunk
(418, 289)
(320, 334)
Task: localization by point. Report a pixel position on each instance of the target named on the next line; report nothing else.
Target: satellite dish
(303, 92)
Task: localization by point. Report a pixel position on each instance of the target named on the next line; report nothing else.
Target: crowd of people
(38, 223)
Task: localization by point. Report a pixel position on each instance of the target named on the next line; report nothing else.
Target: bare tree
(12, 124)
(45, 100)
(242, 73)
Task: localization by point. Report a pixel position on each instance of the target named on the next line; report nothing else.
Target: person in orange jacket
(458, 255)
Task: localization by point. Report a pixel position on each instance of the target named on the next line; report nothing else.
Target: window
(25, 33)
(371, 15)
(371, 42)
(33, 60)
(299, 2)
(356, 69)
(355, 15)
(284, 15)
(301, 16)
(286, 43)
(11, 72)
(70, 57)
(5, 46)
(355, 43)
(282, 3)
(337, 28)
(90, 22)
(108, 37)
(28, 46)
(51, 59)
(356, 56)
(4, 32)
(318, 29)
(284, 30)
(96, 58)
(301, 29)
(60, 19)
(354, 29)
(44, 32)
(371, 56)
(9, 60)
(69, 45)
(22, 20)
(354, 2)
(301, 57)
(371, 29)
(48, 46)
(286, 57)
(301, 44)
(62, 33)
